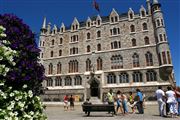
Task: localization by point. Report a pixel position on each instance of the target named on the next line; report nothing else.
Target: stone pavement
(56, 112)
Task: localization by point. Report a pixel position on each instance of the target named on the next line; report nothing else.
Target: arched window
(116, 62)
(99, 22)
(60, 52)
(132, 27)
(144, 26)
(135, 60)
(77, 80)
(88, 48)
(50, 69)
(118, 30)
(146, 40)
(116, 19)
(160, 37)
(89, 24)
(52, 42)
(99, 47)
(131, 15)
(111, 78)
(133, 42)
(51, 53)
(112, 19)
(61, 41)
(151, 76)
(73, 66)
(88, 36)
(143, 13)
(158, 22)
(123, 78)
(99, 64)
(164, 57)
(149, 59)
(164, 35)
(58, 81)
(137, 76)
(114, 31)
(59, 68)
(68, 81)
(98, 34)
(88, 65)
(49, 82)
(169, 57)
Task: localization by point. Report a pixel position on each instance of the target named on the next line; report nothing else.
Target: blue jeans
(140, 108)
(125, 106)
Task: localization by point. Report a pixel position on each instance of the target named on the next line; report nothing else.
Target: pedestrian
(160, 99)
(119, 102)
(66, 102)
(71, 100)
(87, 102)
(171, 100)
(177, 91)
(131, 101)
(111, 98)
(139, 103)
(124, 103)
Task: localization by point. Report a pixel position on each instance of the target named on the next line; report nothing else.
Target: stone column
(144, 76)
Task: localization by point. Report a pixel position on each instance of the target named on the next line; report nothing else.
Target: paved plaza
(56, 112)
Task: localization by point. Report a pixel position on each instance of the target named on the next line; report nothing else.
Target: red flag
(96, 5)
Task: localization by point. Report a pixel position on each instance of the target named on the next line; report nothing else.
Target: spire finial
(44, 23)
(155, 1)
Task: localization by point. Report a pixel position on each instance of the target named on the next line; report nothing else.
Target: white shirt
(160, 93)
(171, 96)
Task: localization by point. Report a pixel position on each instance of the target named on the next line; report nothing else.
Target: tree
(27, 69)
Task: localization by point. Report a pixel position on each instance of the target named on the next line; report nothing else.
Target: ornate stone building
(119, 51)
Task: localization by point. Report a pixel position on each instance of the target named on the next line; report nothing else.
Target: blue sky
(57, 11)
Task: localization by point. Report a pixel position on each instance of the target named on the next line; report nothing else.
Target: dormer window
(112, 19)
(131, 16)
(116, 19)
(99, 22)
(89, 24)
(143, 13)
(62, 30)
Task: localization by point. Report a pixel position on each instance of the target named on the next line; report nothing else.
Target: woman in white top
(171, 100)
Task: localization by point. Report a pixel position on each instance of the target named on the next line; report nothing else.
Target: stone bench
(98, 108)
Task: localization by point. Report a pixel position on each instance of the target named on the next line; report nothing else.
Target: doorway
(94, 88)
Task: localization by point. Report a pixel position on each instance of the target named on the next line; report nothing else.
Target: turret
(161, 40)
(148, 6)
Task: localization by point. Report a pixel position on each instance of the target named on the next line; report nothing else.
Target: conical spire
(44, 23)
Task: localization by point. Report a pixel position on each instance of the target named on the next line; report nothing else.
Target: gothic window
(59, 68)
(164, 57)
(49, 82)
(43, 43)
(51, 53)
(135, 60)
(60, 52)
(119, 44)
(116, 62)
(42, 55)
(98, 34)
(143, 13)
(74, 38)
(123, 78)
(88, 48)
(158, 22)
(62, 29)
(73, 50)
(149, 59)
(99, 22)
(151, 76)
(144, 26)
(169, 57)
(99, 47)
(159, 57)
(61, 41)
(68, 81)
(88, 65)
(58, 81)
(164, 35)
(99, 64)
(131, 15)
(76, 27)
(116, 19)
(88, 24)
(118, 30)
(133, 42)
(50, 69)
(137, 76)
(88, 36)
(160, 37)
(111, 78)
(162, 22)
(77, 80)
(52, 42)
(146, 40)
(112, 19)
(114, 31)
(73, 66)
(132, 27)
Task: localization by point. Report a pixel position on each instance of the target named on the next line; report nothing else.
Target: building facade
(120, 51)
